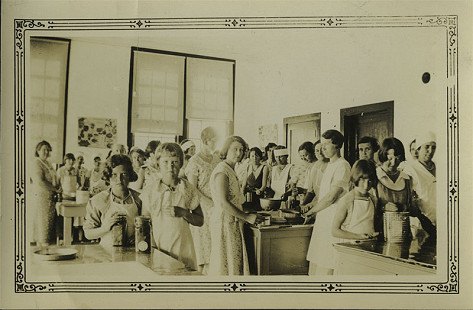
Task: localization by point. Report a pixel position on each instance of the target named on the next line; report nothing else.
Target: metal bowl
(270, 203)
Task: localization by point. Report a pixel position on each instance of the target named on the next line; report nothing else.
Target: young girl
(173, 203)
(354, 217)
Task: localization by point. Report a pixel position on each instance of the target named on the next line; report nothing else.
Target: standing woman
(334, 184)
(257, 176)
(423, 174)
(188, 147)
(67, 176)
(228, 256)
(138, 158)
(198, 173)
(43, 180)
(315, 174)
(280, 173)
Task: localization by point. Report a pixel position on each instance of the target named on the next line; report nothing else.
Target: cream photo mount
(304, 284)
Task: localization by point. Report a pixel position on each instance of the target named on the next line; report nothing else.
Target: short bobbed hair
(115, 161)
(151, 147)
(309, 148)
(372, 141)
(170, 148)
(364, 169)
(266, 150)
(388, 144)
(335, 136)
(40, 145)
(228, 142)
(208, 134)
(139, 151)
(69, 156)
(257, 151)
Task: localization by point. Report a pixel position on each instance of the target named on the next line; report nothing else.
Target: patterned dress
(228, 255)
(43, 206)
(202, 170)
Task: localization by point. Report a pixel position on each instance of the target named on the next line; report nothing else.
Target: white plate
(56, 253)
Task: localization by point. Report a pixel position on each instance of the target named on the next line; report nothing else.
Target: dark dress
(252, 184)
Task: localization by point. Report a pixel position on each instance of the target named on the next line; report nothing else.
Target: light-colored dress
(43, 207)
(279, 179)
(172, 235)
(202, 170)
(425, 185)
(299, 173)
(228, 255)
(320, 250)
(104, 203)
(316, 173)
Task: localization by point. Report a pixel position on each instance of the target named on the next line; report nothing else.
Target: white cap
(281, 152)
(424, 138)
(187, 145)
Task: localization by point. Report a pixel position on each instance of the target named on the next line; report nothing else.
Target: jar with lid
(143, 234)
(119, 231)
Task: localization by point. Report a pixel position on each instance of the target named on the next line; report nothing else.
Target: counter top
(421, 251)
(115, 264)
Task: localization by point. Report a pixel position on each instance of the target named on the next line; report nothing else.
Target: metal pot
(270, 203)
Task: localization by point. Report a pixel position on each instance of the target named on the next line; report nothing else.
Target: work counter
(416, 257)
(95, 263)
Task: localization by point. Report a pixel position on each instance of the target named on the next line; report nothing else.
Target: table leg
(67, 231)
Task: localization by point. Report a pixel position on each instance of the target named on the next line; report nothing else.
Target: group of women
(195, 200)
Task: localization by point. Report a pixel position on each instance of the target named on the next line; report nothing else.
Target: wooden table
(70, 209)
(278, 249)
(96, 263)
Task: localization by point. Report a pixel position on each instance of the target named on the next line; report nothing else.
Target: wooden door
(374, 120)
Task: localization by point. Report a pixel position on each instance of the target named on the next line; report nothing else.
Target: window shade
(209, 89)
(48, 69)
(158, 93)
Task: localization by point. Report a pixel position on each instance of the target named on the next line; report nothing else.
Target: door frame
(387, 106)
(299, 119)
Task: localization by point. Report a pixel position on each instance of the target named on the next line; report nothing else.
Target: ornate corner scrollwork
(234, 287)
(20, 26)
(21, 286)
(139, 287)
(331, 287)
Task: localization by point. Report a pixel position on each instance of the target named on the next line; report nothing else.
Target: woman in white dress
(173, 204)
(198, 173)
(333, 186)
(423, 174)
(228, 256)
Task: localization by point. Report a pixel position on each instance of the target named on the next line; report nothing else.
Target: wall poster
(97, 132)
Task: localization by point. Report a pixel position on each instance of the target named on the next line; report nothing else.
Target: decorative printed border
(449, 23)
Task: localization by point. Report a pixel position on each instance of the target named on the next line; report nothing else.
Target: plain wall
(278, 74)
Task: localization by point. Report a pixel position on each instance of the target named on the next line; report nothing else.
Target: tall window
(48, 72)
(167, 84)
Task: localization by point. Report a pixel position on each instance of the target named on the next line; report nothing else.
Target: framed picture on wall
(97, 132)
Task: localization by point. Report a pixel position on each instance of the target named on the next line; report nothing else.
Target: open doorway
(299, 129)
(373, 120)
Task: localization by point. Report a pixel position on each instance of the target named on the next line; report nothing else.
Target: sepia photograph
(236, 151)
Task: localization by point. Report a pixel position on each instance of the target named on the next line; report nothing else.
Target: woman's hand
(110, 220)
(305, 208)
(179, 212)
(307, 217)
(254, 218)
(369, 235)
(258, 192)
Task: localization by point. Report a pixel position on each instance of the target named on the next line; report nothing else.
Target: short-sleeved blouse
(202, 170)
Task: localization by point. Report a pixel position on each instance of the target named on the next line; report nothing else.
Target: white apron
(279, 180)
(360, 218)
(320, 250)
(69, 185)
(131, 211)
(172, 234)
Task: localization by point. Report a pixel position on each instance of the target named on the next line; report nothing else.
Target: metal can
(119, 232)
(143, 234)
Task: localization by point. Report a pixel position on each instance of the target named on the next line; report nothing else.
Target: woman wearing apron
(105, 208)
(67, 176)
(280, 173)
(333, 185)
(173, 204)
